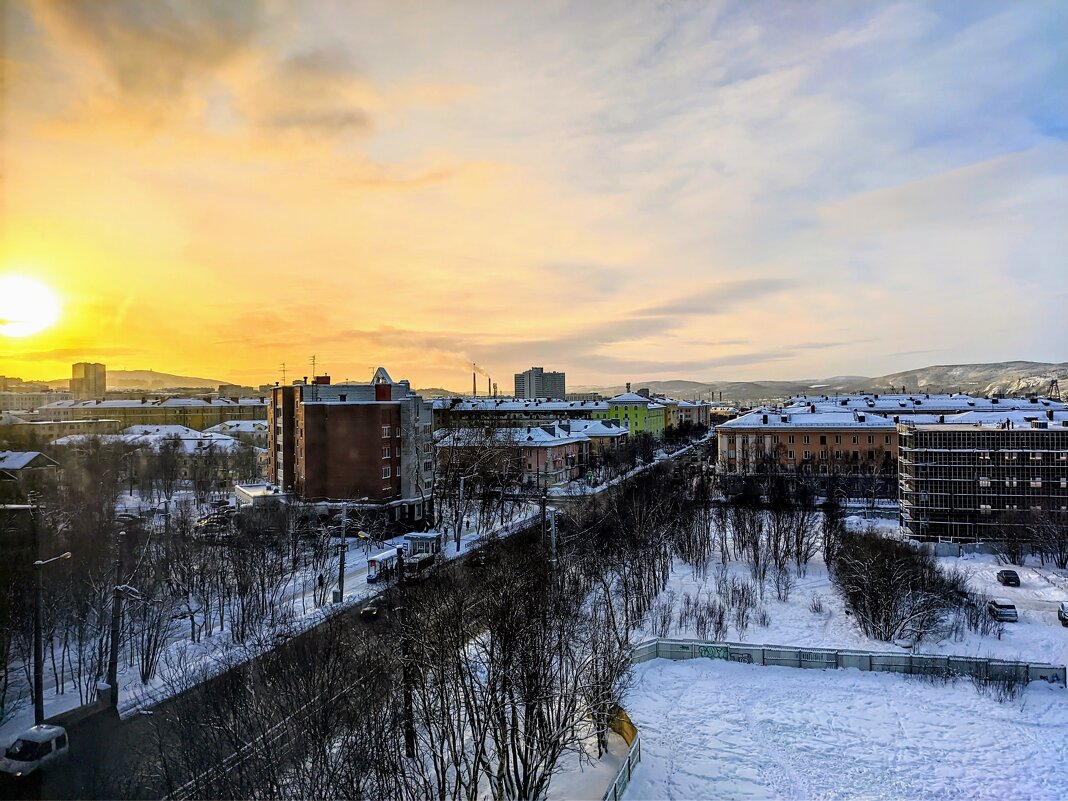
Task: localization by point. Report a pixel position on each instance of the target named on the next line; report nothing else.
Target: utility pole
(38, 592)
(344, 547)
(116, 623)
(544, 498)
(552, 547)
(459, 513)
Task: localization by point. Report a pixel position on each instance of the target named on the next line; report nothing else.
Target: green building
(639, 414)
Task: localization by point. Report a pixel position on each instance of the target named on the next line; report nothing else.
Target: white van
(34, 749)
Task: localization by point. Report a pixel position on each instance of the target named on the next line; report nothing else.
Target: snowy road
(715, 729)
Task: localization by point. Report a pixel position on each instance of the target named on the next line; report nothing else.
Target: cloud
(719, 299)
(77, 353)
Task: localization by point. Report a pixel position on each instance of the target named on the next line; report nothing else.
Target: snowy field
(1037, 637)
(713, 729)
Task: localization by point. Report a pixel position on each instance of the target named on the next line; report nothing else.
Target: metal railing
(824, 658)
(626, 771)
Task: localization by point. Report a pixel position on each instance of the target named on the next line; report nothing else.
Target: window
(1036, 457)
(984, 508)
(385, 452)
(823, 454)
(823, 439)
(837, 454)
(385, 432)
(871, 456)
(790, 454)
(1036, 482)
(808, 454)
(886, 441)
(1010, 482)
(984, 481)
(342, 398)
(871, 439)
(775, 439)
(387, 472)
(854, 439)
(805, 439)
(837, 439)
(428, 466)
(790, 439)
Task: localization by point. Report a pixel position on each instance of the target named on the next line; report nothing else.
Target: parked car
(1062, 613)
(34, 749)
(1010, 578)
(1003, 609)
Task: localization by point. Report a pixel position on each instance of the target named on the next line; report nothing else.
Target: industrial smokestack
(474, 382)
(489, 386)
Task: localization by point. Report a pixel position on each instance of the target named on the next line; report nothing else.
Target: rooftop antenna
(312, 360)
(283, 373)
(1054, 390)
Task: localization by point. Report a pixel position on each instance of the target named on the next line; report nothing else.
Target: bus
(381, 566)
(417, 567)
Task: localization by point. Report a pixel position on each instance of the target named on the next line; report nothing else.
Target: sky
(619, 190)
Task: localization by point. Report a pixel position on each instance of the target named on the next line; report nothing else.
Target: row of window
(806, 439)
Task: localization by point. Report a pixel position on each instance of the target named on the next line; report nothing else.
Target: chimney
(764, 419)
(628, 386)
(474, 385)
(941, 418)
(1049, 414)
(322, 380)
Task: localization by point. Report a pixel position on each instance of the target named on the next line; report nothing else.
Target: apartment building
(88, 380)
(358, 442)
(536, 383)
(969, 477)
(638, 413)
(196, 413)
(807, 439)
(28, 401)
(453, 413)
(541, 455)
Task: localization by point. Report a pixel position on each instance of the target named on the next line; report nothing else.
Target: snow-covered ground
(721, 730)
(1037, 637)
(216, 653)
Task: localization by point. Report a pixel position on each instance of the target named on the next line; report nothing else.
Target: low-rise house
(28, 471)
(542, 455)
(253, 432)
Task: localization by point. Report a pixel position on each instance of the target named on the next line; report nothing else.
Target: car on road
(1010, 578)
(34, 749)
(372, 609)
(1062, 613)
(1003, 609)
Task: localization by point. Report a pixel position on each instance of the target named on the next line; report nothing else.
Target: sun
(26, 306)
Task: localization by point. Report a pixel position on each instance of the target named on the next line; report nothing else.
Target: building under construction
(968, 479)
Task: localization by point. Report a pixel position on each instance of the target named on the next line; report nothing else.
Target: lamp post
(38, 644)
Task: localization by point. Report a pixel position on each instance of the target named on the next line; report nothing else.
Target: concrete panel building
(536, 383)
(88, 380)
(968, 477)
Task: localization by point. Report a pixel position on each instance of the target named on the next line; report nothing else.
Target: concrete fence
(823, 658)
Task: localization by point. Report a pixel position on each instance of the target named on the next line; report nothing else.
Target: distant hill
(978, 379)
(146, 379)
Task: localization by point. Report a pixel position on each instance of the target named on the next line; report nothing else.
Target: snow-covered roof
(595, 428)
(190, 440)
(23, 460)
(528, 436)
(516, 405)
(8, 419)
(921, 402)
(630, 397)
(768, 418)
(239, 427)
(1019, 418)
(165, 403)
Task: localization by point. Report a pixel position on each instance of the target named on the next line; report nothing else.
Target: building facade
(807, 440)
(88, 380)
(536, 383)
(195, 413)
(370, 443)
(639, 414)
(29, 401)
(968, 478)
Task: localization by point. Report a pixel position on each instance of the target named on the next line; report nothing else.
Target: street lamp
(38, 644)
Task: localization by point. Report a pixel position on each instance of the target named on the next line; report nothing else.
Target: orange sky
(216, 190)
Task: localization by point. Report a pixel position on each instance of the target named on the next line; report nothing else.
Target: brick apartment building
(361, 442)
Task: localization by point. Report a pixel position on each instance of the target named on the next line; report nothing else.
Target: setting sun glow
(26, 306)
